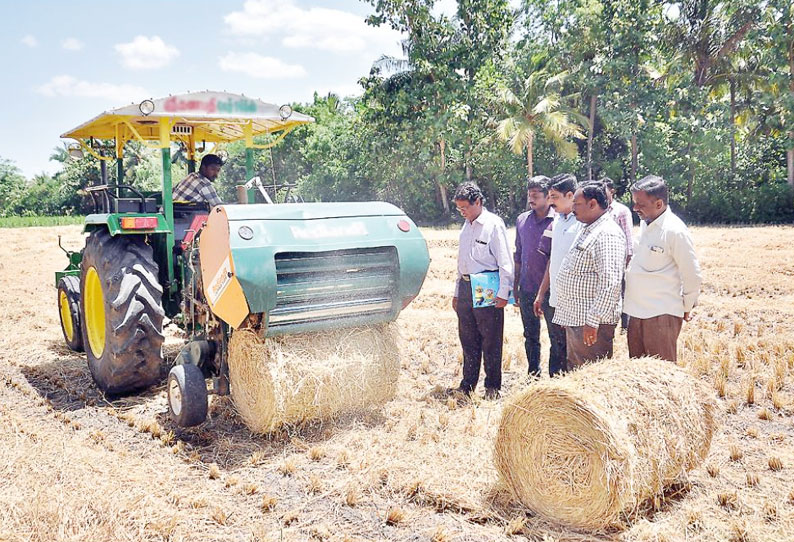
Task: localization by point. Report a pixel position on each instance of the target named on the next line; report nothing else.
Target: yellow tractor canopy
(192, 118)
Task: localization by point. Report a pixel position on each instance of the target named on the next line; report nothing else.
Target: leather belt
(467, 278)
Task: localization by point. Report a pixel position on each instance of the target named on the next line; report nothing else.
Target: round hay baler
(268, 271)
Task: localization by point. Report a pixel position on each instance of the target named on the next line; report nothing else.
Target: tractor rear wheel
(69, 311)
(122, 312)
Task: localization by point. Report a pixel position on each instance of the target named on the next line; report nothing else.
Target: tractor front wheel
(121, 312)
(69, 311)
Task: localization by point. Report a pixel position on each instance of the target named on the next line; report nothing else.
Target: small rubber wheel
(187, 395)
(69, 312)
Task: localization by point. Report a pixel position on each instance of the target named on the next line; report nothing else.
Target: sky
(66, 62)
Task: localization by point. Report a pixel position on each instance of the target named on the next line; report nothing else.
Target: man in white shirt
(564, 230)
(663, 278)
(483, 246)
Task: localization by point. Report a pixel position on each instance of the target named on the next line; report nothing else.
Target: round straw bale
(294, 378)
(588, 448)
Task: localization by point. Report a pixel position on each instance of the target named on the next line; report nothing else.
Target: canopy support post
(168, 202)
(248, 131)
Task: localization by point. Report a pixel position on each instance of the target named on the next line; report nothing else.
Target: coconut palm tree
(705, 35)
(536, 104)
(736, 75)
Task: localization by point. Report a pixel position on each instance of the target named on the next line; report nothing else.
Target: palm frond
(548, 104)
(557, 81)
(505, 128)
(557, 125)
(519, 141)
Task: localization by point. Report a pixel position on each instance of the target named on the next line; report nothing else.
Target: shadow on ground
(223, 438)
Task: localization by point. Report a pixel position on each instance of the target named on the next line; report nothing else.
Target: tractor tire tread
(132, 357)
(71, 285)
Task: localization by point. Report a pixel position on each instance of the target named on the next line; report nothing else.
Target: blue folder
(484, 287)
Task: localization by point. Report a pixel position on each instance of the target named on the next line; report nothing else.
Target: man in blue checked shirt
(483, 246)
(197, 186)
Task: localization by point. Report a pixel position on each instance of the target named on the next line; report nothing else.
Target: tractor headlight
(75, 151)
(146, 107)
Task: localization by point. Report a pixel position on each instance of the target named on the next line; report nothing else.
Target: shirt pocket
(580, 260)
(654, 257)
(480, 250)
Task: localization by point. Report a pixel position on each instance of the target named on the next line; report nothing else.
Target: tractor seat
(184, 208)
(134, 205)
(188, 216)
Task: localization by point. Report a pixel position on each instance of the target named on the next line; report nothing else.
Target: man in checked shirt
(197, 187)
(588, 284)
(483, 246)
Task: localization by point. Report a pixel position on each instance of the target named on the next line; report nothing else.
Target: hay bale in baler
(295, 378)
(589, 448)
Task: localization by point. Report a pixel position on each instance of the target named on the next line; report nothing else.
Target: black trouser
(531, 323)
(558, 353)
(481, 331)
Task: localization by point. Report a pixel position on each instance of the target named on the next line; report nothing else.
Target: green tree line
(700, 92)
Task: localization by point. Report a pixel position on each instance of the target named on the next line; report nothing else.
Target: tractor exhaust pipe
(242, 194)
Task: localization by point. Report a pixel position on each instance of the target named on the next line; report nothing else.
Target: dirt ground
(77, 466)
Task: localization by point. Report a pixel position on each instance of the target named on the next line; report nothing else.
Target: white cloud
(72, 44)
(68, 86)
(315, 28)
(263, 67)
(30, 41)
(146, 53)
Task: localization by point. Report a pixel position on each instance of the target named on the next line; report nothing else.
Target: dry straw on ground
(129, 486)
(292, 379)
(588, 448)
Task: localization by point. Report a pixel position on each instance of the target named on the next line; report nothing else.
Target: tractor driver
(197, 187)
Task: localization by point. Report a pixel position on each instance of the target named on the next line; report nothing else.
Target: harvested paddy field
(76, 465)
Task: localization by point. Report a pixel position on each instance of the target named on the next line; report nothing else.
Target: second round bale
(587, 449)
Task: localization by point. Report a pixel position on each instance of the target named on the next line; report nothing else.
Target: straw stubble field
(75, 466)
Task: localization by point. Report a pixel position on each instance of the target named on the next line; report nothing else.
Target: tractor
(277, 267)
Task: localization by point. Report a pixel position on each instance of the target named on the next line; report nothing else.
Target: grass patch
(31, 221)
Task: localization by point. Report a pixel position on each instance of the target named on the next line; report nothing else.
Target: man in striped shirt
(588, 284)
(622, 216)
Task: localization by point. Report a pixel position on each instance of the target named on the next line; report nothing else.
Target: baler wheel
(187, 395)
(69, 312)
(121, 311)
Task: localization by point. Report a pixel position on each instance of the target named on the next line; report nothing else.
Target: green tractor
(276, 268)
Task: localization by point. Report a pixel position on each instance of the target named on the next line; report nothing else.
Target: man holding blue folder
(483, 247)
